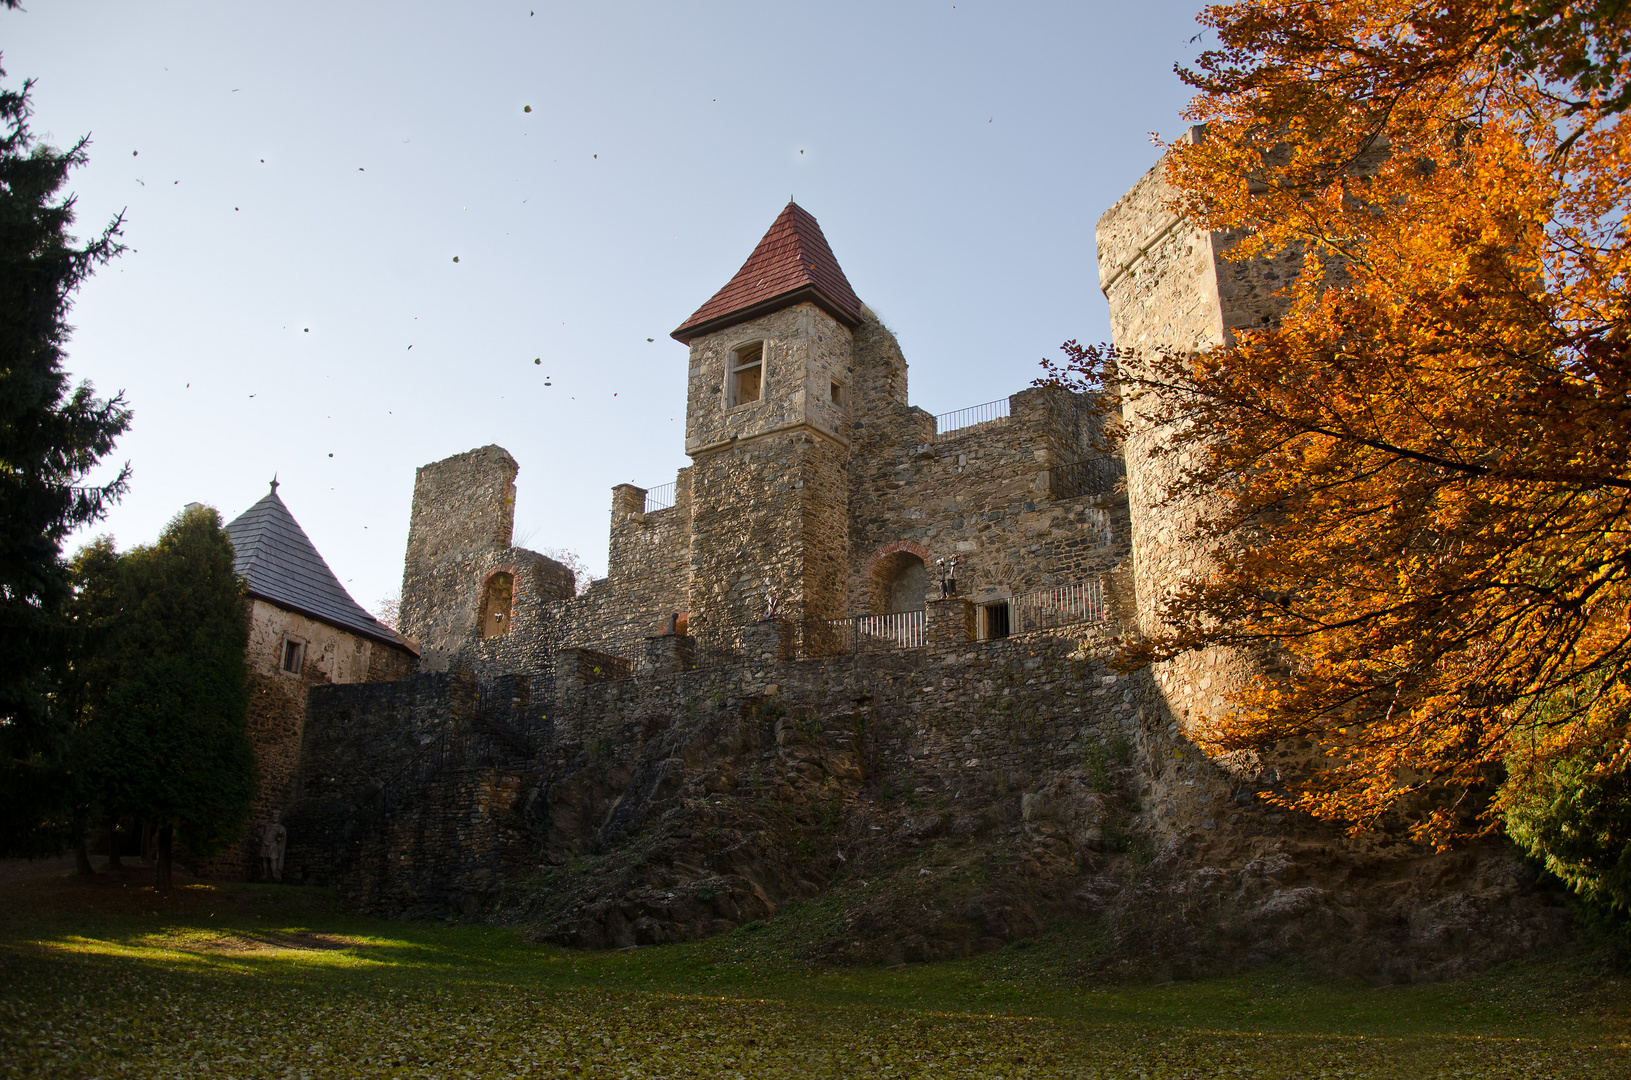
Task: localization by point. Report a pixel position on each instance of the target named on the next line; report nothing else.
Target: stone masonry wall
(940, 800)
(459, 536)
(541, 590)
(648, 569)
(805, 350)
(357, 739)
(982, 494)
(277, 709)
(768, 514)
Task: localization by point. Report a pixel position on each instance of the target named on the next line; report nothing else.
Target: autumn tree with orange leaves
(1427, 460)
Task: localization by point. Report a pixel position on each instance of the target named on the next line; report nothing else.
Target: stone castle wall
(982, 494)
(277, 710)
(389, 799)
(948, 798)
(968, 731)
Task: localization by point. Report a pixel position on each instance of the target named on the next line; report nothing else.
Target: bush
(1575, 816)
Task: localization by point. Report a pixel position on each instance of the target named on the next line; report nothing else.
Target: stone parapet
(577, 667)
(668, 654)
(948, 623)
(768, 641)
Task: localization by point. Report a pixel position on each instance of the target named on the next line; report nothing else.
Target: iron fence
(1061, 605)
(658, 498)
(974, 414)
(863, 633)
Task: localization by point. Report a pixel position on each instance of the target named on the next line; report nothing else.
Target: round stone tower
(1169, 287)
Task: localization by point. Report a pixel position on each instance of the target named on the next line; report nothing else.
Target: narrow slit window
(838, 394)
(746, 373)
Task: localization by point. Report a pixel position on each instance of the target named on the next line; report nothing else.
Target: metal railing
(659, 498)
(1095, 476)
(1062, 605)
(707, 648)
(974, 414)
(864, 633)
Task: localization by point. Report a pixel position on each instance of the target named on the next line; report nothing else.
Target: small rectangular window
(995, 617)
(746, 373)
(294, 656)
(837, 394)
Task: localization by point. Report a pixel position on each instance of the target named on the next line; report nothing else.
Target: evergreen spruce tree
(51, 437)
(168, 688)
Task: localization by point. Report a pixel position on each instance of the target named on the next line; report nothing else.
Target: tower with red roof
(774, 383)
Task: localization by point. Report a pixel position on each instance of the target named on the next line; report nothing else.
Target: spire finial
(274, 483)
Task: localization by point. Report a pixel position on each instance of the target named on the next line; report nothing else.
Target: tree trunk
(82, 854)
(113, 845)
(162, 882)
(147, 841)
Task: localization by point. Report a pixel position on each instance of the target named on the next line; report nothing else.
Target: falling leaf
(527, 109)
(455, 258)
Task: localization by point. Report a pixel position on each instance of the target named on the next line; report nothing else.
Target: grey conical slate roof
(274, 554)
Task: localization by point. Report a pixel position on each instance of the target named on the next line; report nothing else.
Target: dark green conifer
(168, 689)
(51, 437)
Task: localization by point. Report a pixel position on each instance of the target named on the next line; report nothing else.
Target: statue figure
(274, 838)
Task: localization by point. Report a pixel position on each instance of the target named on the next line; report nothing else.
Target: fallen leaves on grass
(197, 1001)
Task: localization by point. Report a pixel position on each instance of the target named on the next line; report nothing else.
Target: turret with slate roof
(281, 565)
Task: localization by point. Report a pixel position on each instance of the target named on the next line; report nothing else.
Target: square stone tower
(771, 386)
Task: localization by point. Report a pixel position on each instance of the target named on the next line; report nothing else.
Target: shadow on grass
(213, 939)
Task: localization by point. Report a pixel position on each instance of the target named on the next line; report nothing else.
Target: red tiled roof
(792, 263)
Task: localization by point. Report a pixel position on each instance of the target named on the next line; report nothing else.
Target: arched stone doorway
(899, 578)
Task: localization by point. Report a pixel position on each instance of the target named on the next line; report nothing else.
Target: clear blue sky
(298, 178)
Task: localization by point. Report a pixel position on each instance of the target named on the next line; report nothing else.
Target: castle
(860, 653)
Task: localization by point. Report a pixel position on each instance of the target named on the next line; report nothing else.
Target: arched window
(495, 604)
(900, 582)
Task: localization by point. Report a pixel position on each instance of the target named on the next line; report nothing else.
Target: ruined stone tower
(770, 386)
(461, 579)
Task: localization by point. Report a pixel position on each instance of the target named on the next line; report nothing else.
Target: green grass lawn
(107, 978)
